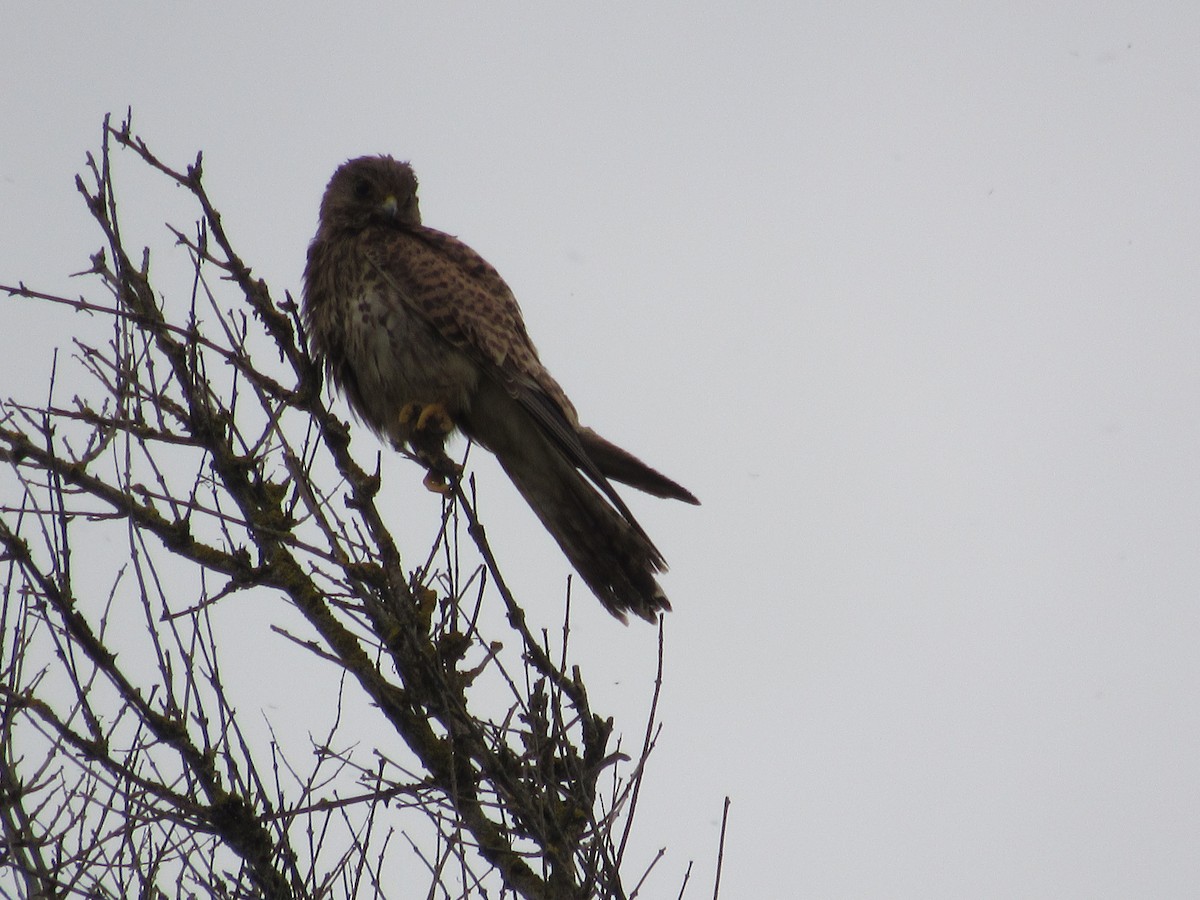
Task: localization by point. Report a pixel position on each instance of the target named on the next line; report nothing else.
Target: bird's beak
(390, 207)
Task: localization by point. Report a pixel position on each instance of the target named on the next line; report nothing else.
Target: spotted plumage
(407, 318)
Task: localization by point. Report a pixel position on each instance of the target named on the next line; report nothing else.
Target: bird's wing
(467, 302)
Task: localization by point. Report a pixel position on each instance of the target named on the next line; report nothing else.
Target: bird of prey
(423, 337)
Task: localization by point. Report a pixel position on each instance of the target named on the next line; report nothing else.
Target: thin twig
(721, 850)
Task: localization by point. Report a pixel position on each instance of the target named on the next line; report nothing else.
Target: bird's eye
(362, 190)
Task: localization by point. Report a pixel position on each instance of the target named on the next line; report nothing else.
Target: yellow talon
(409, 413)
(436, 482)
(434, 418)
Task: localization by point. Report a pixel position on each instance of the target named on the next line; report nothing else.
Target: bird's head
(371, 190)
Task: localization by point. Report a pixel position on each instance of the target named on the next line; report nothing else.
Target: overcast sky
(907, 294)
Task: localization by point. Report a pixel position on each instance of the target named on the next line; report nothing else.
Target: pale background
(908, 297)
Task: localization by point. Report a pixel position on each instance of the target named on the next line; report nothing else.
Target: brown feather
(401, 314)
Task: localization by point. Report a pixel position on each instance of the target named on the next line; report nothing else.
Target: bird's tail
(605, 544)
(621, 465)
(608, 551)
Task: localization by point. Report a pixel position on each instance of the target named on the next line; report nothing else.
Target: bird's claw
(441, 470)
(425, 427)
(423, 422)
(435, 482)
(434, 419)
(408, 417)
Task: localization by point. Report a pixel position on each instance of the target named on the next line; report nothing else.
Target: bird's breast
(395, 358)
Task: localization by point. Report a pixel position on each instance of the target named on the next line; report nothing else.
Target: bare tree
(203, 472)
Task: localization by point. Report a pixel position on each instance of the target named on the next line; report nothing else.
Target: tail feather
(611, 555)
(621, 465)
(604, 543)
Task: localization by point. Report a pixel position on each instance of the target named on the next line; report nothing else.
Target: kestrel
(423, 337)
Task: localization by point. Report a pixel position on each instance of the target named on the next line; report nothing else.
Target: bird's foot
(441, 469)
(425, 427)
(435, 482)
(434, 419)
(424, 422)
(409, 413)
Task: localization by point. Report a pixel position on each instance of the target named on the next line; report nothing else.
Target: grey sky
(909, 298)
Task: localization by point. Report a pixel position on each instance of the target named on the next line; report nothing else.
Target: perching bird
(423, 336)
